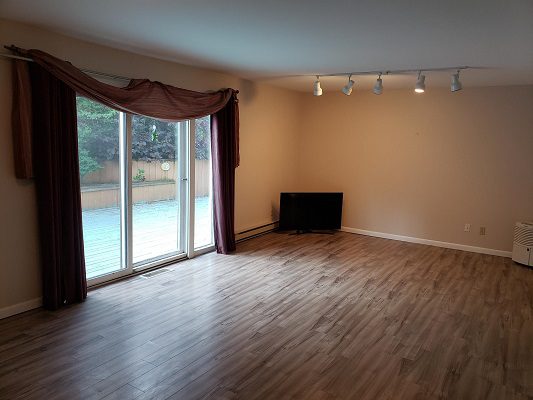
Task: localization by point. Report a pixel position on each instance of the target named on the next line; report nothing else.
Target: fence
(100, 189)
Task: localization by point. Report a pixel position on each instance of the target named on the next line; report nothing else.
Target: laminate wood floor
(288, 317)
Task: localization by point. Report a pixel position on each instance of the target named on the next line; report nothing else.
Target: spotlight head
(456, 83)
(317, 90)
(378, 87)
(420, 86)
(347, 90)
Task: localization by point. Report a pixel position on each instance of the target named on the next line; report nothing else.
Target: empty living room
(266, 200)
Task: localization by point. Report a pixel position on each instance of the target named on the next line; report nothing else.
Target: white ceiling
(273, 40)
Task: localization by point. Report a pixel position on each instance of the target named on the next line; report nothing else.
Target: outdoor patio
(155, 233)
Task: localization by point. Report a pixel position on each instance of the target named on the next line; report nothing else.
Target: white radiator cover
(523, 243)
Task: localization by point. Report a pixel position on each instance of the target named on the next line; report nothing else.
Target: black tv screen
(310, 211)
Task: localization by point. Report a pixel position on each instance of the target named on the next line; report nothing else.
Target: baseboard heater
(256, 231)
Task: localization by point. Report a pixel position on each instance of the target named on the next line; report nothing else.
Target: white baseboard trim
(454, 246)
(20, 307)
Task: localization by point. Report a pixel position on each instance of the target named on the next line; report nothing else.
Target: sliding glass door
(145, 187)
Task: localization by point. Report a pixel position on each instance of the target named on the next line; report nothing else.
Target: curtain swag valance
(141, 96)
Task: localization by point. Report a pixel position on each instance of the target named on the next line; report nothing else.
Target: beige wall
(424, 165)
(269, 122)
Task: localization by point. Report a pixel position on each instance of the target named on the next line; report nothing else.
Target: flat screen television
(306, 212)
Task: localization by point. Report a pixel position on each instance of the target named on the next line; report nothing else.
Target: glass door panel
(137, 200)
(203, 189)
(99, 130)
(157, 208)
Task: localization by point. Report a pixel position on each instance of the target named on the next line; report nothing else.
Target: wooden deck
(155, 233)
(288, 317)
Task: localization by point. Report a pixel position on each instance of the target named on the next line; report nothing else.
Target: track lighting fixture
(420, 86)
(317, 89)
(456, 83)
(378, 87)
(347, 90)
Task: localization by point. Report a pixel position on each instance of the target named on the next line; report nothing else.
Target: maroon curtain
(225, 156)
(141, 96)
(21, 120)
(57, 181)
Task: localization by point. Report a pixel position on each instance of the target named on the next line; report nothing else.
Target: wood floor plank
(288, 317)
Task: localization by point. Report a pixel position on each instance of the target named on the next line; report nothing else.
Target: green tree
(153, 139)
(98, 136)
(87, 163)
(202, 142)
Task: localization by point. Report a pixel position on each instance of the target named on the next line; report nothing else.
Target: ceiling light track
(420, 86)
(395, 71)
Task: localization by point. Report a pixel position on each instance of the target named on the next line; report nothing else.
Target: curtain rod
(87, 71)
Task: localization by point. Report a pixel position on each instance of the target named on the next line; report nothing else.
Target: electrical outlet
(482, 231)
(467, 227)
